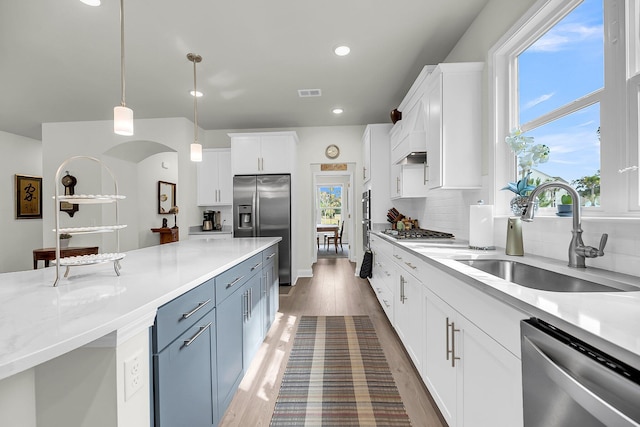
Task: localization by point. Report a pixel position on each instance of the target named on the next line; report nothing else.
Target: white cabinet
(375, 143)
(214, 178)
(408, 314)
(263, 153)
(366, 155)
(382, 278)
(409, 181)
(453, 125)
(472, 378)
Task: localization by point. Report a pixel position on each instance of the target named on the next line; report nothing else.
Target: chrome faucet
(577, 249)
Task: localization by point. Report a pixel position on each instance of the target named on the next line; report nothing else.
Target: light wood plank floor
(333, 290)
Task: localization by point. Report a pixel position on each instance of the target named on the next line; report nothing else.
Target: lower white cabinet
(464, 343)
(408, 315)
(472, 378)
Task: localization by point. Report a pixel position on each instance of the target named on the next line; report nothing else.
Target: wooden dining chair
(331, 237)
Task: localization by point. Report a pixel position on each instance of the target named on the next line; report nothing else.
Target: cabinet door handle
(452, 351)
(386, 303)
(258, 163)
(397, 185)
(250, 303)
(426, 172)
(200, 305)
(245, 309)
(256, 266)
(188, 342)
(402, 295)
(453, 344)
(234, 282)
(446, 328)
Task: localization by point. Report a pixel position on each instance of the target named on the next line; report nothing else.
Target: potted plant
(528, 155)
(64, 240)
(566, 206)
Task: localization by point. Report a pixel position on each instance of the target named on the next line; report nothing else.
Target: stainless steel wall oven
(366, 219)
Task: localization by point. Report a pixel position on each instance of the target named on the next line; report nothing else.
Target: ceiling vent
(306, 93)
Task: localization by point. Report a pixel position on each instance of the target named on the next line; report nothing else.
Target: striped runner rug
(337, 375)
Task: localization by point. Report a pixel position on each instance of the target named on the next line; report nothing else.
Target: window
(330, 204)
(560, 75)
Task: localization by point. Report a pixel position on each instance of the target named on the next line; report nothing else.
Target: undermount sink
(539, 278)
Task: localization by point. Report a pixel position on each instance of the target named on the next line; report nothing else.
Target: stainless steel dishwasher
(567, 382)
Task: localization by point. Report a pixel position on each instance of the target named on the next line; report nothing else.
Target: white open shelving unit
(86, 199)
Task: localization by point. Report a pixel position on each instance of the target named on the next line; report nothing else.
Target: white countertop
(39, 322)
(608, 320)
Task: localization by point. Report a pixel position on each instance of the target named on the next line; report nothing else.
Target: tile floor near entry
(334, 289)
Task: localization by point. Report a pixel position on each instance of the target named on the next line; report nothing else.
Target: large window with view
(560, 83)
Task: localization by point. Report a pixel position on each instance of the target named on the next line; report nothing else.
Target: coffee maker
(209, 221)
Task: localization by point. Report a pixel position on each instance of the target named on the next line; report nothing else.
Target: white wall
(311, 146)
(22, 156)
(137, 175)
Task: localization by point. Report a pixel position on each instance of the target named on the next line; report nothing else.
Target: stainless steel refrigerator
(262, 208)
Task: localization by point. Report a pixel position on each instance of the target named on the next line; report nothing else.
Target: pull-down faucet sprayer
(577, 249)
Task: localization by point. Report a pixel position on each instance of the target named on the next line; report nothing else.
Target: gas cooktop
(418, 233)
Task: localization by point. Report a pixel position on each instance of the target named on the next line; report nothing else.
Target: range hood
(414, 157)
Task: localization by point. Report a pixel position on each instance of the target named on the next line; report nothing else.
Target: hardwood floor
(334, 289)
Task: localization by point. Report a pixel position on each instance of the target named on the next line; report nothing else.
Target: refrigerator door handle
(256, 214)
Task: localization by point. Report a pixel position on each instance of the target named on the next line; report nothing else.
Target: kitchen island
(73, 341)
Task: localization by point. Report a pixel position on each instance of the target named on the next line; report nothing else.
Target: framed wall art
(28, 197)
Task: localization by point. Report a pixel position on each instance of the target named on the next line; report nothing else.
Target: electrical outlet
(133, 375)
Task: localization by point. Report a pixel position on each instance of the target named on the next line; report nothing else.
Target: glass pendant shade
(196, 152)
(123, 121)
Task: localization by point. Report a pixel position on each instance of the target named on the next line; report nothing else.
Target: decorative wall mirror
(166, 197)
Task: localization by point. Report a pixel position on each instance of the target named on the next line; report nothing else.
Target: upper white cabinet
(263, 153)
(408, 135)
(453, 125)
(375, 143)
(409, 181)
(214, 178)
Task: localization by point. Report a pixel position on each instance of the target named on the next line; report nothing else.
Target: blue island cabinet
(184, 365)
(237, 297)
(204, 340)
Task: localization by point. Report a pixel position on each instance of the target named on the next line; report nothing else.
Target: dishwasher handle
(590, 401)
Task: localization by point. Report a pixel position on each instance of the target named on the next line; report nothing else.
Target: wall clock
(332, 151)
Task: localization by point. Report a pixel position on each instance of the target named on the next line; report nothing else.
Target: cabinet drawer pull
(234, 282)
(188, 342)
(256, 266)
(200, 305)
(271, 256)
(386, 303)
(411, 265)
(397, 256)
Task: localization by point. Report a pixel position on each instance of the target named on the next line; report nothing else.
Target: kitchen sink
(539, 278)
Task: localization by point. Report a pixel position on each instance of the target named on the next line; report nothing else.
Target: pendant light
(196, 147)
(122, 116)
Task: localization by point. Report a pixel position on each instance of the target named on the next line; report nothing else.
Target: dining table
(329, 228)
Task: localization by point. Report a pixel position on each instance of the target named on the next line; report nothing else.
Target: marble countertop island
(39, 322)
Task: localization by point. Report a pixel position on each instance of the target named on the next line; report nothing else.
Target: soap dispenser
(514, 237)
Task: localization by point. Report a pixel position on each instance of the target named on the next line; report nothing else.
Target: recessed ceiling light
(337, 111)
(91, 2)
(342, 50)
(198, 94)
